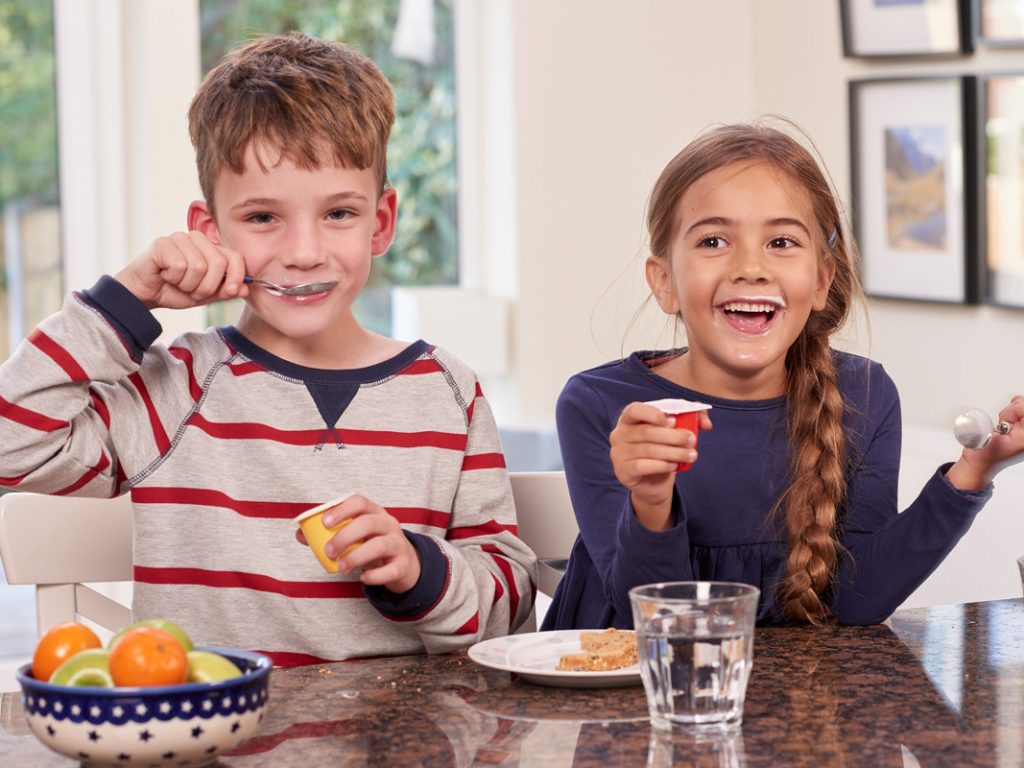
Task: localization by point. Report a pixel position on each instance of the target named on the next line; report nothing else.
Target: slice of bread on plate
(601, 651)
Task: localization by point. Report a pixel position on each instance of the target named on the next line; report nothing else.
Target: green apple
(164, 624)
(88, 667)
(210, 667)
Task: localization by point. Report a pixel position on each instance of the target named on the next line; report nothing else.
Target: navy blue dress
(723, 527)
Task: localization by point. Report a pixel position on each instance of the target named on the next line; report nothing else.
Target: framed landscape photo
(1001, 22)
(1002, 190)
(921, 28)
(912, 153)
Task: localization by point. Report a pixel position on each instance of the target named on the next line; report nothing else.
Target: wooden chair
(58, 544)
(546, 523)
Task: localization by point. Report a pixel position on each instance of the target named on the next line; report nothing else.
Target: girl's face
(744, 273)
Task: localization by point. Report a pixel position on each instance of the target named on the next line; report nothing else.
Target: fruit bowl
(173, 725)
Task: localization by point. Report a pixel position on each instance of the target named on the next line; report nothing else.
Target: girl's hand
(380, 547)
(184, 270)
(645, 451)
(976, 467)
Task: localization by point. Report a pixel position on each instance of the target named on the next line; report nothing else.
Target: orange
(58, 644)
(146, 656)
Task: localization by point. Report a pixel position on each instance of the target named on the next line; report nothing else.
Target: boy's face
(292, 225)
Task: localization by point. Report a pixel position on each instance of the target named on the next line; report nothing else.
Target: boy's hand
(184, 270)
(645, 451)
(976, 467)
(382, 550)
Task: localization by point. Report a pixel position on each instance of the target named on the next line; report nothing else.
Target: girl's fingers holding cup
(642, 413)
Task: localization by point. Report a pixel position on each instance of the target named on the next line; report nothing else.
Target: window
(412, 41)
(30, 255)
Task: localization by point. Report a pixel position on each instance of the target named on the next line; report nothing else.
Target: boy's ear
(385, 220)
(200, 218)
(660, 281)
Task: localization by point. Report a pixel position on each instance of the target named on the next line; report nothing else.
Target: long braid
(818, 482)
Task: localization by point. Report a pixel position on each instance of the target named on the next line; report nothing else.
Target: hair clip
(832, 238)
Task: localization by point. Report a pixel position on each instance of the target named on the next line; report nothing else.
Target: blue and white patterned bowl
(171, 725)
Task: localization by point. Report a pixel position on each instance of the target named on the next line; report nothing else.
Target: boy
(226, 435)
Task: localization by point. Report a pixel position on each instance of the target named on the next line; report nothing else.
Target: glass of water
(696, 645)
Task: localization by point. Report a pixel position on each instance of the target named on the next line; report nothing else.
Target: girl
(794, 489)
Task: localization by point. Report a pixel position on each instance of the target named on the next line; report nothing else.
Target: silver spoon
(301, 289)
(974, 429)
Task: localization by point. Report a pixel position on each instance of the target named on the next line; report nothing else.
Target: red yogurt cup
(687, 416)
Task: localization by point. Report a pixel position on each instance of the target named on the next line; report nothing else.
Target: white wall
(606, 93)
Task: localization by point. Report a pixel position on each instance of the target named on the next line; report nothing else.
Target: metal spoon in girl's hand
(974, 429)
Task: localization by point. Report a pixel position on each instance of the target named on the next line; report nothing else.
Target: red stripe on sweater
(244, 369)
(12, 480)
(58, 354)
(419, 367)
(87, 476)
(100, 407)
(498, 589)
(27, 418)
(483, 461)
(420, 516)
(270, 510)
(290, 659)
(240, 430)
(255, 581)
(506, 570)
(204, 497)
(159, 435)
(185, 356)
(470, 627)
(490, 528)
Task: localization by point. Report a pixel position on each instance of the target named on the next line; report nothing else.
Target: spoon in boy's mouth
(301, 289)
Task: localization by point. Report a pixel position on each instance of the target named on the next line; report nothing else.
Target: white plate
(534, 656)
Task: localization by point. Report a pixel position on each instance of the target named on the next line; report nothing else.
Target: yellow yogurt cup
(317, 534)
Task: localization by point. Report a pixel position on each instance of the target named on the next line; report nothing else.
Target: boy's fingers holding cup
(315, 530)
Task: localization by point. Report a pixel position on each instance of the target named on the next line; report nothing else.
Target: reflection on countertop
(940, 686)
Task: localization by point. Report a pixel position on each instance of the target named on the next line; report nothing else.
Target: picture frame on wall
(912, 146)
(899, 28)
(1001, 22)
(1001, 189)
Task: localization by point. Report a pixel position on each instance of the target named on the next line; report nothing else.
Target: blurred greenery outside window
(30, 253)
(412, 41)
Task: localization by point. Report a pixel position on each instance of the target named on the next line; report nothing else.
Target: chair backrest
(58, 542)
(546, 522)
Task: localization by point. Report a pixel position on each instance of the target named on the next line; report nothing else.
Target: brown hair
(817, 485)
(309, 98)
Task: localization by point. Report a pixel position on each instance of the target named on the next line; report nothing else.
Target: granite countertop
(939, 685)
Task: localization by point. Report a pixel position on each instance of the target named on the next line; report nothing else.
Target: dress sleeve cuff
(435, 573)
(654, 545)
(128, 316)
(974, 496)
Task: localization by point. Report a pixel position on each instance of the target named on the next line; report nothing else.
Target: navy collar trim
(368, 375)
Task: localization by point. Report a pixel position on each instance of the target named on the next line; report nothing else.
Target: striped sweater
(221, 444)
